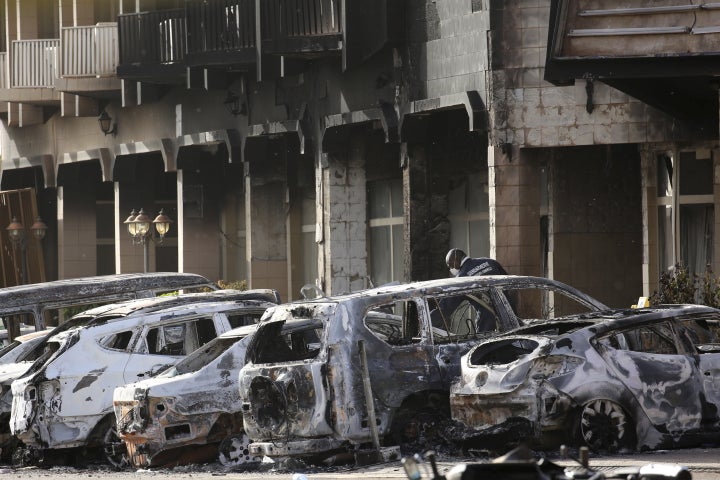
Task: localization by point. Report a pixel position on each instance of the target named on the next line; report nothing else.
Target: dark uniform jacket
(480, 266)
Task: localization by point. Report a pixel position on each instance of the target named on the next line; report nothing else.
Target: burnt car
(635, 379)
(191, 412)
(65, 401)
(39, 302)
(382, 369)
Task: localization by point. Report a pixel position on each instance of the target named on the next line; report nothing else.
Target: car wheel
(417, 430)
(234, 451)
(603, 425)
(114, 451)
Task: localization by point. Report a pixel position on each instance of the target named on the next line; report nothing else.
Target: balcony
(302, 28)
(221, 32)
(3, 71)
(90, 51)
(663, 53)
(230, 34)
(35, 63)
(89, 58)
(152, 46)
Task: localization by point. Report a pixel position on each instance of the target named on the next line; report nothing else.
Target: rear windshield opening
(274, 344)
(502, 352)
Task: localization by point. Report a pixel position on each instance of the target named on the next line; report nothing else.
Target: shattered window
(241, 319)
(180, 338)
(117, 341)
(395, 323)
(651, 339)
(502, 352)
(700, 330)
(463, 315)
(278, 342)
(544, 304)
(201, 357)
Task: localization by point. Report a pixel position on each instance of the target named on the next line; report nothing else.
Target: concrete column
(266, 241)
(344, 200)
(650, 267)
(514, 201)
(180, 222)
(419, 249)
(77, 249)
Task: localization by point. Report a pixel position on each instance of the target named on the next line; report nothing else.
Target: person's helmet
(454, 258)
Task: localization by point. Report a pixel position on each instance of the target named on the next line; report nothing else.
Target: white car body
(66, 400)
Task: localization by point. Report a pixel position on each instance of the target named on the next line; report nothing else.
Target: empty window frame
(385, 212)
(686, 212)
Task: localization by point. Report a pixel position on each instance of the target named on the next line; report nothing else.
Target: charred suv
(66, 400)
(620, 380)
(191, 412)
(388, 354)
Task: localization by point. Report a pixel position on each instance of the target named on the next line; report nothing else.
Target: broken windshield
(286, 341)
(201, 357)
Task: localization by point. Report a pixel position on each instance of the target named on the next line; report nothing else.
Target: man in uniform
(461, 265)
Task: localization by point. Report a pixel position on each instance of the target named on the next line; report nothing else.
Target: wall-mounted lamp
(234, 105)
(105, 122)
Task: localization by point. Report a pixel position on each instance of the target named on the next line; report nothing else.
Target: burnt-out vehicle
(308, 398)
(190, 413)
(50, 302)
(65, 401)
(635, 379)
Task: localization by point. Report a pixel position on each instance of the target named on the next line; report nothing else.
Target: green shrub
(234, 284)
(678, 285)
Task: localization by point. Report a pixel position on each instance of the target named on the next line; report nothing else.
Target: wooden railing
(152, 37)
(90, 51)
(299, 18)
(220, 25)
(34, 63)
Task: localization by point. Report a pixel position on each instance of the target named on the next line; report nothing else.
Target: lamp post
(17, 234)
(138, 226)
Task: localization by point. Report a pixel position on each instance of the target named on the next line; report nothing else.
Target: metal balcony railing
(152, 37)
(34, 63)
(283, 19)
(3, 70)
(90, 51)
(220, 25)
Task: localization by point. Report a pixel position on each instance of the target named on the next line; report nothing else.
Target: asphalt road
(704, 464)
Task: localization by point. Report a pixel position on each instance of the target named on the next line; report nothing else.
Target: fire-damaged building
(349, 143)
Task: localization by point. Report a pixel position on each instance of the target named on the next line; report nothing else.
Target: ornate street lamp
(17, 234)
(138, 226)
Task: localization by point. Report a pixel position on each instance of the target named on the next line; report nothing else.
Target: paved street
(703, 463)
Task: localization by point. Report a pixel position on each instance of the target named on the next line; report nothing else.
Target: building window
(468, 215)
(686, 213)
(385, 207)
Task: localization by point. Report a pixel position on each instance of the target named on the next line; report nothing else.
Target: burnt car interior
(464, 315)
(181, 338)
(660, 338)
(502, 352)
(271, 344)
(541, 304)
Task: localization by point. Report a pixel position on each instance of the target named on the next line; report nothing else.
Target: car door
(400, 357)
(665, 381)
(163, 344)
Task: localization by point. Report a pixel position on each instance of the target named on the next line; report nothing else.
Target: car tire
(234, 451)
(113, 450)
(416, 430)
(605, 426)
